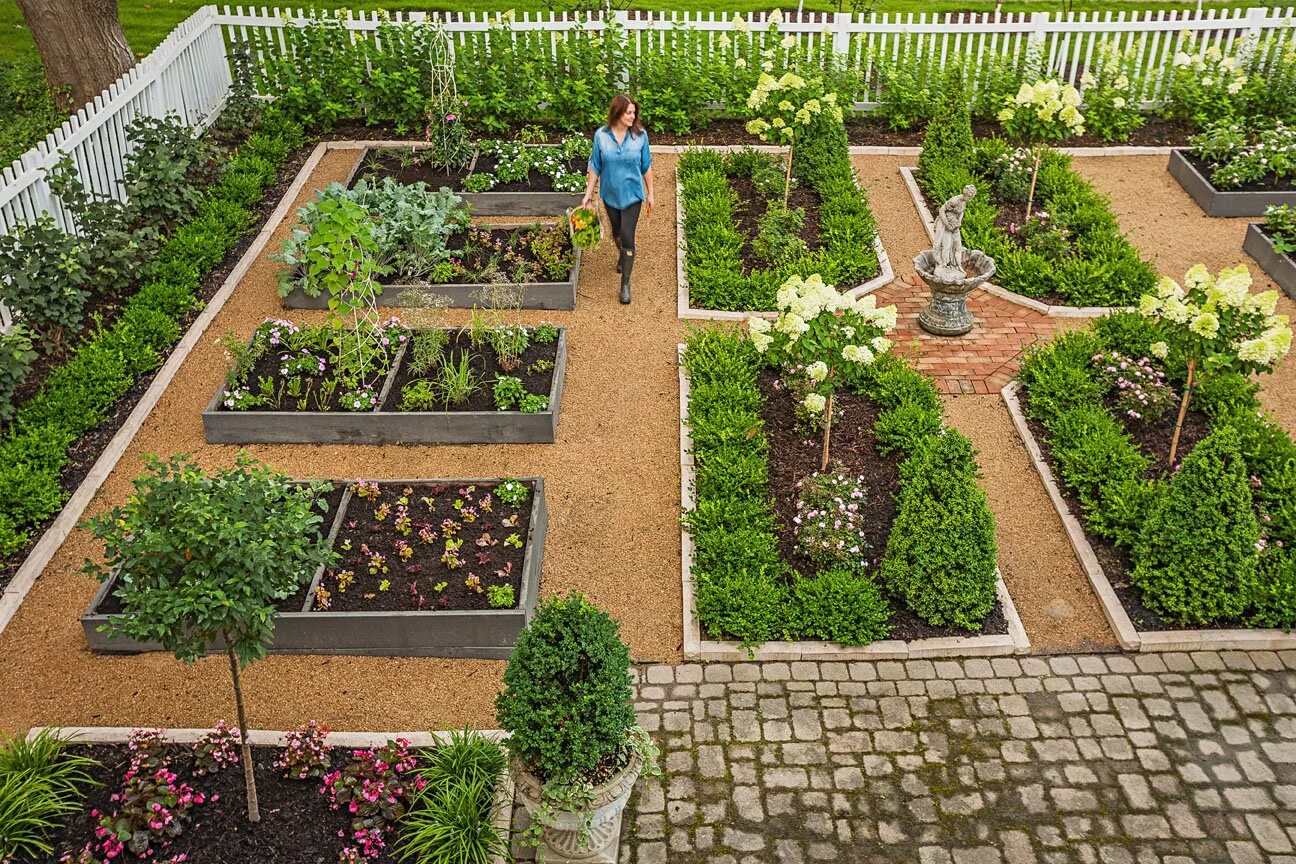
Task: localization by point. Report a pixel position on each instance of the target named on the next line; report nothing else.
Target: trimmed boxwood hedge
(940, 557)
(1191, 537)
(712, 260)
(79, 395)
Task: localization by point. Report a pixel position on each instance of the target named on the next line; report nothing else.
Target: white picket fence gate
(189, 73)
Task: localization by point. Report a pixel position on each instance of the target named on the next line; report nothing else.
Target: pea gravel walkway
(1174, 758)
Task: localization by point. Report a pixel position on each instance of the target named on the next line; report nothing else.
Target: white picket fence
(189, 74)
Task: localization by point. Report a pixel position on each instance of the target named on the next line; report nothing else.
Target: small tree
(1045, 111)
(786, 110)
(819, 335)
(1216, 326)
(949, 134)
(202, 559)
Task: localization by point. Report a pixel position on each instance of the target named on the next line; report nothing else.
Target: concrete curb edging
(929, 224)
(1127, 635)
(501, 807)
(1221, 203)
(1014, 641)
(44, 550)
(687, 312)
(1280, 267)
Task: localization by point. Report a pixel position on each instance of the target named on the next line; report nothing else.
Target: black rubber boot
(617, 241)
(626, 266)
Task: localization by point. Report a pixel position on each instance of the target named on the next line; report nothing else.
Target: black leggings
(624, 222)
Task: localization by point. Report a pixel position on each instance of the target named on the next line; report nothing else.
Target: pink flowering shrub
(375, 789)
(217, 750)
(829, 520)
(151, 809)
(1138, 386)
(304, 755)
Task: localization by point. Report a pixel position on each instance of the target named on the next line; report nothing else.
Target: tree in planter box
(1045, 111)
(573, 736)
(202, 558)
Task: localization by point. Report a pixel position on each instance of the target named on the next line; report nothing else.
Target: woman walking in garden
(621, 160)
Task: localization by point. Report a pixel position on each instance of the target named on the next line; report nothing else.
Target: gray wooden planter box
(1222, 204)
(535, 295)
(1278, 265)
(389, 427)
(482, 633)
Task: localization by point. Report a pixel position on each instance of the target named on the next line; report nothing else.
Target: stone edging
(43, 552)
(1014, 641)
(684, 311)
(1126, 634)
(501, 808)
(929, 223)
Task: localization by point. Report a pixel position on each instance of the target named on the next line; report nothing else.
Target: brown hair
(620, 103)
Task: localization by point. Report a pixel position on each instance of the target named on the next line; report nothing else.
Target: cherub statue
(948, 251)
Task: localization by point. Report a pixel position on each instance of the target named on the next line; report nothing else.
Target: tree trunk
(1037, 156)
(828, 414)
(81, 45)
(787, 179)
(1183, 409)
(254, 809)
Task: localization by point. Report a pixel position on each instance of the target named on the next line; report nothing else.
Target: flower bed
(923, 581)
(481, 384)
(1230, 170)
(504, 178)
(738, 242)
(1194, 554)
(449, 568)
(197, 778)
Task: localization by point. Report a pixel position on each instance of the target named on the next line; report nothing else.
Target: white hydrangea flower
(1160, 350)
(1118, 102)
(817, 371)
(1177, 311)
(1149, 306)
(1205, 325)
(761, 341)
(881, 344)
(814, 403)
(788, 41)
(1265, 303)
(756, 324)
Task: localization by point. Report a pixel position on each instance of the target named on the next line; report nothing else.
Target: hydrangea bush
(1110, 107)
(826, 332)
(788, 108)
(1204, 83)
(1048, 110)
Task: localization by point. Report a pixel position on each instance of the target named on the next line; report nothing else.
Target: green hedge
(79, 395)
(1191, 536)
(941, 553)
(712, 261)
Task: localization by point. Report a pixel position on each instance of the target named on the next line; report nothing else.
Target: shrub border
(1130, 638)
(64, 523)
(1014, 641)
(691, 313)
(929, 224)
(501, 807)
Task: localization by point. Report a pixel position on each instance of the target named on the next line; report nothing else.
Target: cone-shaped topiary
(1195, 561)
(949, 134)
(566, 698)
(940, 557)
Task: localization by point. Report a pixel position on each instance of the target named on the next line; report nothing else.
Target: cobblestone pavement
(1174, 758)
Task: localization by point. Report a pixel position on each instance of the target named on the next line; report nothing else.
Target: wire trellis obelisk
(447, 139)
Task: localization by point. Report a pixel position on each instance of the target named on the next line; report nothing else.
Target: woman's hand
(649, 202)
(586, 201)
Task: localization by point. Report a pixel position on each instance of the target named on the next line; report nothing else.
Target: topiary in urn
(575, 747)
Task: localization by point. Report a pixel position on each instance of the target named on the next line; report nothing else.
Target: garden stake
(1183, 408)
(254, 810)
(828, 411)
(1037, 157)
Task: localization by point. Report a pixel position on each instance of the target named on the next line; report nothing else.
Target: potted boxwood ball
(575, 748)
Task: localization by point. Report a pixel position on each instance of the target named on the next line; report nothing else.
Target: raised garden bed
(531, 195)
(1095, 523)
(1192, 174)
(298, 824)
(557, 295)
(476, 421)
(790, 458)
(1279, 265)
(454, 622)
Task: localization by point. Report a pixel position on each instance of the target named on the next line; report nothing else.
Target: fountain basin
(947, 313)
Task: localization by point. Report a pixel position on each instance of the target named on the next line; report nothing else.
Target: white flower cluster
(1204, 303)
(788, 102)
(1213, 68)
(1051, 101)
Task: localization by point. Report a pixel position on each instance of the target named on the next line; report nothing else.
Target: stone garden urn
(950, 271)
(561, 839)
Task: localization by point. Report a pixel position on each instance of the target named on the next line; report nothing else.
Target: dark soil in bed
(752, 207)
(1271, 182)
(1156, 132)
(294, 602)
(794, 455)
(387, 162)
(1153, 439)
(412, 582)
(486, 369)
(297, 826)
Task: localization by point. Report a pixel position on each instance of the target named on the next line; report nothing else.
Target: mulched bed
(297, 826)
(486, 368)
(1156, 132)
(793, 456)
(86, 450)
(411, 581)
(1153, 439)
(1269, 183)
(752, 207)
(294, 602)
(384, 162)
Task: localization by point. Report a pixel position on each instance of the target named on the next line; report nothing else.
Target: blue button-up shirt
(620, 167)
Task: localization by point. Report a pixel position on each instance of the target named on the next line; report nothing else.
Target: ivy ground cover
(918, 551)
(742, 243)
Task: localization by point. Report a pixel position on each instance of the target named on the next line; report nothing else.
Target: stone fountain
(951, 272)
